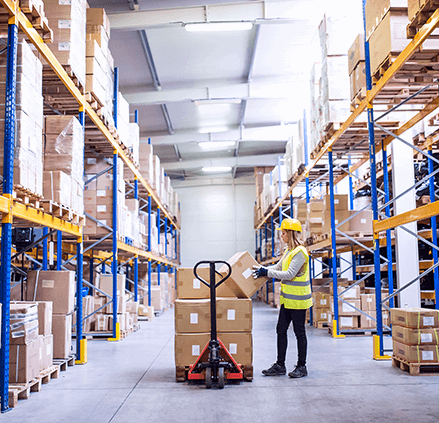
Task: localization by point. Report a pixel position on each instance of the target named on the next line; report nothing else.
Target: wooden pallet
(358, 98)
(21, 391)
(52, 372)
(62, 212)
(182, 371)
(50, 78)
(416, 369)
(25, 196)
(65, 363)
(320, 325)
(421, 17)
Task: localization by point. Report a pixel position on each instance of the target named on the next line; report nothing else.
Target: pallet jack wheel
(208, 377)
(221, 378)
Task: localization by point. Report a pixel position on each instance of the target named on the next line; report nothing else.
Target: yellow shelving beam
(50, 58)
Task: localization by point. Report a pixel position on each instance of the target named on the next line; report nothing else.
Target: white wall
(216, 222)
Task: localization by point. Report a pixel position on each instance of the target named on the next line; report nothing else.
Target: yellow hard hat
(290, 225)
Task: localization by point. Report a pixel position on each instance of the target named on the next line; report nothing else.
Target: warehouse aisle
(133, 381)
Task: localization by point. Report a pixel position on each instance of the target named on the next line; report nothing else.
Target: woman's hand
(259, 271)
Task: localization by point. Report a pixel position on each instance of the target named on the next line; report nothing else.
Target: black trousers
(286, 316)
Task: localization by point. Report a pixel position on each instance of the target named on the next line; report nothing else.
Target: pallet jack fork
(215, 364)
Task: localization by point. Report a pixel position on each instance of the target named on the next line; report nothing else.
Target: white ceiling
(266, 70)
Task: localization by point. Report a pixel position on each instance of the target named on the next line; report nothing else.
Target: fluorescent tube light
(217, 169)
(218, 26)
(216, 145)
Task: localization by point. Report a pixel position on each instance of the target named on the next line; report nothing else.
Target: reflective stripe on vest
(296, 294)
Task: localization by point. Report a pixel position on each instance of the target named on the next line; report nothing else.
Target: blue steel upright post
(6, 236)
(378, 339)
(433, 230)
(81, 344)
(388, 231)
(58, 250)
(351, 187)
(45, 243)
(149, 249)
(136, 257)
(158, 236)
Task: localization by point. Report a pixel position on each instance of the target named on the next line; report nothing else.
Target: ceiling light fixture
(218, 26)
(217, 169)
(213, 129)
(216, 101)
(216, 145)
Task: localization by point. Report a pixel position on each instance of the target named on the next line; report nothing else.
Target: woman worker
(295, 297)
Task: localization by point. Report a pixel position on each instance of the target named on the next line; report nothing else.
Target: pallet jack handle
(213, 285)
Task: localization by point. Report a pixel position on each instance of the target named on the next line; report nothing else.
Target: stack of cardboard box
(316, 110)
(262, 186)
(357, 68)
(234, 311)
(321, 307)
(67, 19)
(63, 162)
(58, 287)
(163, 295)
(100, 62)
(28, 154)
(415, 334)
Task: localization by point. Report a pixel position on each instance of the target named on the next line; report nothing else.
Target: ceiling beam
(255, 90)
(249, 134)
(149, 59)
(247, 161)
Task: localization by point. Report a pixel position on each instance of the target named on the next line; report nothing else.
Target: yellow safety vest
(296, 294)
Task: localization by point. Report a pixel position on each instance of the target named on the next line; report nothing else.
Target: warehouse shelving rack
(13, 211)
(382, 219)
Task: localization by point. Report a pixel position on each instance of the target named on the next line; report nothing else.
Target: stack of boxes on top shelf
(102, 319)
(234, 312)
(262, 185)
(295, 152)
(100, 64)
(64, 162)
(31, 340)
(357, 70)
(28, 155)
(315, 121)
(162, 295)
(415, 333)
(67, 19)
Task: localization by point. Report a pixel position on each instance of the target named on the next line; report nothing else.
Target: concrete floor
(133, 381)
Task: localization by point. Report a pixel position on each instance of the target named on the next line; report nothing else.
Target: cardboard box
(362, 222)
(47, 352)
(341, 202)
(368, 323)
(321, 300)
(352, 294)
(55, 286)
(188, 286)
(23, 322)
(416, 353)
(106, 284)
(234, 314)
(413, 8)
(97, 17)
(356, 53)
(415, 336)
(320, 314)
(340, 216)
(192, 316)
(45, 317)
(416, 318)
(377, 9)
(348, 322)
(368, 302)
(188, 346)
(345, 309)
(24, 361)
(241, 281)
(62, 335)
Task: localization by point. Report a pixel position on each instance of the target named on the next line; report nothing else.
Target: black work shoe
(275, 370)
(299, 371)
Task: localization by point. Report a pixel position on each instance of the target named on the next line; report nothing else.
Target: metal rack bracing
(361, 141)
(15, 213)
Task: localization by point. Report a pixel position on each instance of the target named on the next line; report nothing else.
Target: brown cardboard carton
(322, 285)
(348, 322)
(345, 307)
(47, 351)
(356, 53)
(415, 336)
(45, 317)
(377, 9)
(359, 78)
(55, 286)
(96, 17)
(40, 352)
(62, 335)
(241, 281)
(416, 318)
(320, 314)
(362, 222)
(321, 300)
(368, 323)
(188, 346)
(239, 345)
(414, 6)
(23, 322)
(106, 284)
(188, 286)
(24, 362)
(192, 316)
(341, 202)
(368, 302)
(234, 314)
(340, 216)
(416, 353)
(351, 294)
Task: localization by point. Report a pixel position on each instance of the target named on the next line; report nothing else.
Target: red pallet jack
(215, 364)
